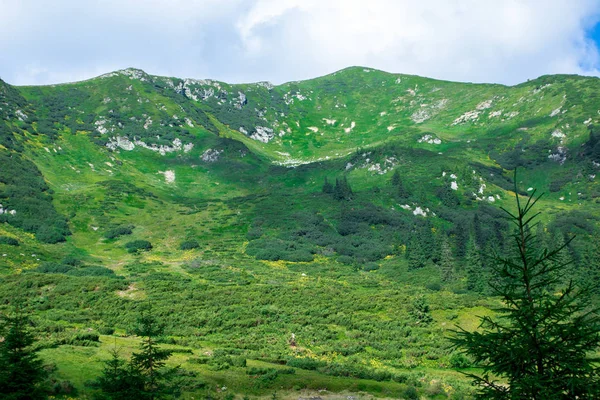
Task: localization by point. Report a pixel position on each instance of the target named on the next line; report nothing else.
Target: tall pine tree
(446, 260)
(21, 370)
(477, 279)
(144, 376)
(542, 340)
(150, 360)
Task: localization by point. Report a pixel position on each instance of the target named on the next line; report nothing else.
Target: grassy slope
(216, 203)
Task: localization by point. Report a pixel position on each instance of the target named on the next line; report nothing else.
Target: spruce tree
(150, 360)
(539, 345)
(342, 189)
(476, 276)
(447, 260)
(120, 380)
(327, 187)
(396, 180)
(415, 253)
(21, 370)
(144, 376)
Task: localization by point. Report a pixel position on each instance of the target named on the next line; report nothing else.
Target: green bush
(119, 231)
(105, 330)
(305, 363)
(52, 267)
(9, 241)
(72, 261)
(371, 266)
(189, 245)
(460, 360)
(138, 245)
(410, 393)
(92, 270)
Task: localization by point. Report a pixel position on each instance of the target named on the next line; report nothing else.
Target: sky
(499, 41)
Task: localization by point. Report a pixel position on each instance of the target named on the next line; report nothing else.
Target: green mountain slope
(329, 209)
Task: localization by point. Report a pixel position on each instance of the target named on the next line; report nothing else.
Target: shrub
(460, 360)
(411, 393)
(371, 266)
(84, 339)
(9, 241)
(119, 231)
(105, 330)
(92, 270)
(72, 261)
(138, 245)
(305, 363)
(51, 267)
(50, 235)
(189, 245)
(63, 388)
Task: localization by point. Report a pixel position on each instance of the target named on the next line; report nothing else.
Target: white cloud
(468, 40)
(505, 41)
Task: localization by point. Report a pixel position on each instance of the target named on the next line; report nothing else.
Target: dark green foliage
(277, 249)
(119, 231)
(8, 139)
(263, 377)
(543, 342)
(446, 262)
(447, 196)
(420, 311)
(52, 267)
(523, 154)
(327, 187)
(477, 275)
(402, 192)
(83, 339)
(460, 360)
(342, 189)
(106, 330)
(189, 245)
(72, 261)
(145, 375)
(305, 363)
(119, 380)
(150, 360)
(25, 191)
(136, 246)
(92, 270)
(410, 393)
(416, 253)
(9, 241)
(591, 148)
(21, 370)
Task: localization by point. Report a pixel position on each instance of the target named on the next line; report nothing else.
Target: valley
(316, 238)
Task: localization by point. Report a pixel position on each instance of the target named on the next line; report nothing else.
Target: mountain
(329, 209)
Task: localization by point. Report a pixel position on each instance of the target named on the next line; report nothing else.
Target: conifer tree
(401, 191)
(396, 180)
(540, 343)
(415, 253)
(150, 361)
(446, 260)
(342, 189)
(21, 370)
(476, 276)
(120, 380)
(145, 376)
(327, 187)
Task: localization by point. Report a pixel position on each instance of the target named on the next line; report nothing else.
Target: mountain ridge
(353, 67)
